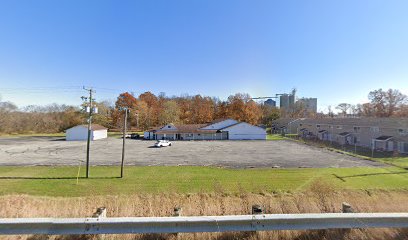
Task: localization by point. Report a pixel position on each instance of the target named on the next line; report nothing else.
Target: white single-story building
(222, 129)
(80, 132)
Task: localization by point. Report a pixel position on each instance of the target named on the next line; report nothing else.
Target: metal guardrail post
(100, 213)
(256, 209)
(177, 211)
(346, 208)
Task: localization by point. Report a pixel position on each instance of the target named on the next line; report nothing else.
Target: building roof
(238, 123)
(189, 127)
(384, 138)
(195, 128)
(184, 131)
(230, 125)
(185, 128)
(93, 126)
(361, 122)
(217, 121)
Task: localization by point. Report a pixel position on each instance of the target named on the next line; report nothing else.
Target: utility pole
(124, 139)
(90, 111)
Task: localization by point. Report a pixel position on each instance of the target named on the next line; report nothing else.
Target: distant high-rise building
(270, 102)
(287, 101)
(310, 104)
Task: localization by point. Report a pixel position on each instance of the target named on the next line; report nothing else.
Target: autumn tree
(150, 110)
(269, 114)
(202, 110)
(221, 110)
(170, 113)
(252, 113)
(144, 115)
(242, 108)
(125, 100)
(386, 103)
(236, 106)
(104, 115)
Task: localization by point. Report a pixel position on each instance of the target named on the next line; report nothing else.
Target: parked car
(162, 143)
(134, 136)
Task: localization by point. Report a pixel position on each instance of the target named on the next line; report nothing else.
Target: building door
(178, 136)
(390, 146)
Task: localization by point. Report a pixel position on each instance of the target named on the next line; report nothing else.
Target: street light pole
(123, 143)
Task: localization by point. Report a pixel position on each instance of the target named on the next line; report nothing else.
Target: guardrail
(261, 222)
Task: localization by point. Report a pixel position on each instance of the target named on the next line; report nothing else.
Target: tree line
(148, 110)
(145, 111)
(382, 103)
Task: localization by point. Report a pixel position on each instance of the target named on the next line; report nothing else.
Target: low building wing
(221, 129)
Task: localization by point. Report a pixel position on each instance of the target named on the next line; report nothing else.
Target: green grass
(61, 181)
(396, 161)
(274, 137)
(279, 136)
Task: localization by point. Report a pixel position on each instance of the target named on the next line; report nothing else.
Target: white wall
(146, 135)
(246, 131)
(222, 124)
(99, 134)
(80, 133)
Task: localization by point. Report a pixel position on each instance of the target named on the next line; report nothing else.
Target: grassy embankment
(318, 197)
(61, 181)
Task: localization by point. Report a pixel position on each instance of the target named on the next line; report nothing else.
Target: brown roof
(189, 127)
(186, 128)
(183, 128)
(181, 131)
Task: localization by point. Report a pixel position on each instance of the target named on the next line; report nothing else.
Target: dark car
(134, 136)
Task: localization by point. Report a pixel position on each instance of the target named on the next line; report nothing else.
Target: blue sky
(336, 51)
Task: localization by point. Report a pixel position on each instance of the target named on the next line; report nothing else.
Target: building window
(403, 132)
(318, 125)
(339, 127)
(357, 129)
(189, 135)
(168, 126)
(375, 129)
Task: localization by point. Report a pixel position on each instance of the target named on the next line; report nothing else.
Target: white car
(162, 143)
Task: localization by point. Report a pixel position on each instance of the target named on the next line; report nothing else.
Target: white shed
(245, 131)
(80, 132)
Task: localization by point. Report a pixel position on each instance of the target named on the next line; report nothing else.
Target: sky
(336, 50)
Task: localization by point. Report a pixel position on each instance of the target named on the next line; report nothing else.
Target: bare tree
(343, 107)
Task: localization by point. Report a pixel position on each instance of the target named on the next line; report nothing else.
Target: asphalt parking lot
(234, 154)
